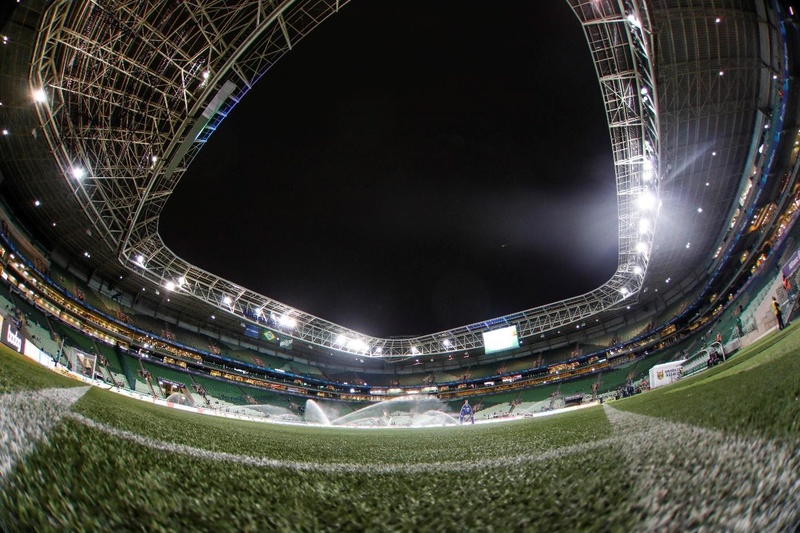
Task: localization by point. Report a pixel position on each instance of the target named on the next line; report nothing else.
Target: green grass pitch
(716, 451)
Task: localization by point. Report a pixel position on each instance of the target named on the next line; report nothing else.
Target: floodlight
(624, 291)
(642, 248)
(644, 225)
(140, 260)
(647, 201)
(227, 300)
(78, 173)
(40, 96)
(342, 340)
(287, 321)
(170, 286)
(647, 171)
(358, 345)
(637, 270)
(447, 343)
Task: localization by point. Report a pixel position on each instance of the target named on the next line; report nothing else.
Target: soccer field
(718, 450)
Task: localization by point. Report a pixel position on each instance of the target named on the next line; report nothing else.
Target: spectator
(776, 309)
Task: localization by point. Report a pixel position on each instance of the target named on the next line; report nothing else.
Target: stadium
(182, 399)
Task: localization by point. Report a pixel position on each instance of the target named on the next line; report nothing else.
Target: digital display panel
(498, 340)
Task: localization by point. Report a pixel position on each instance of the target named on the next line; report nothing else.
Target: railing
(699, 361)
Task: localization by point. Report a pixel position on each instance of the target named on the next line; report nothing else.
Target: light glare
(647, 201)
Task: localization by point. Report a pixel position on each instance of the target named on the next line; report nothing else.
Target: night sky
(411, 167)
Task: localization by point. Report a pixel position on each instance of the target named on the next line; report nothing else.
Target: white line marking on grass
(26, 417)
(684, 477)
(693, 478)
(372, 468)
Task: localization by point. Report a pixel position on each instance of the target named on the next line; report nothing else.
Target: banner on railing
(791, 264)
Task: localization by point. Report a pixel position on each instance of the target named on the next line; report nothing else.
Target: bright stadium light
(634, 21)
(169, 285)
(140, 260)
(637, 270)
(342, 340)
(646, 201)
(358, 345)
(642, 248)
(39, 96)
(625, 292)
(287, 321)
(447, 343)
(78, 173)
(227, 300)
(644, 225)
(647, 171)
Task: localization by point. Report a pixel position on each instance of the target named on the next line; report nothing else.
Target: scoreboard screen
(498, 340)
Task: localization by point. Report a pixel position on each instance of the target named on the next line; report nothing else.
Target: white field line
(26, 417)
(692, 478)
(385, 468)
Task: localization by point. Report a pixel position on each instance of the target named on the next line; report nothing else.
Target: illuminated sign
(11, 336)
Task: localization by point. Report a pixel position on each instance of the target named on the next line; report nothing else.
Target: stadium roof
(130, 93)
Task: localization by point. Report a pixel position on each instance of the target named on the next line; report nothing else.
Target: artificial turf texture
(17, 372)
(98, 482)
(84, 479)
